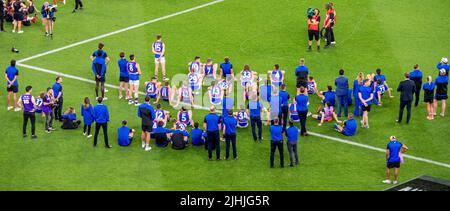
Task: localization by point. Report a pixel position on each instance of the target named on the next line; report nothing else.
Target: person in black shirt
(416, 76)
(407, 88)
(428, 97)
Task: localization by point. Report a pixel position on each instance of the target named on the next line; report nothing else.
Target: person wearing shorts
(313, 30)
(159, 48)
(441, 83)
(19, 7)
(393, 158)
(134, 71)
(366, 96)
(123, 76)
(12, 85)
(147, 115)
(99, 61)
(428, 97)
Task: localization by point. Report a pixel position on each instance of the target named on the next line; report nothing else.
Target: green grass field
(391, 35)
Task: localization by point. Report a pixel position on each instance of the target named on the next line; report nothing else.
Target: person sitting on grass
(327, 96)
(326, 114)
(197, 135)
(179, 138)
(162, 135)
(311, 85)
(348, 128)
(125, 134)
(379, 91)
(70, 119)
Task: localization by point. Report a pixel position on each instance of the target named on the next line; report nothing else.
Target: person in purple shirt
(393, 158)
(47, 103)
(27, 102)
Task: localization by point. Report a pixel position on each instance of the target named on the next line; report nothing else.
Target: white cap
(444, 60)
(442, 70)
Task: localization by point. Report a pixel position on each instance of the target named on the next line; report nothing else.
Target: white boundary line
(206, 108)
(377, 149)
(119, 31)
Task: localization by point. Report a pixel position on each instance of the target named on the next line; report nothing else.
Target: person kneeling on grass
(326, 114)
(125, 134)
(179, 138)
(70, 119)
(162, 135)
(393, 158)
(348, 128)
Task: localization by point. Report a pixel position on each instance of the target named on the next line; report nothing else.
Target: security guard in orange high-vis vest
(313, 30)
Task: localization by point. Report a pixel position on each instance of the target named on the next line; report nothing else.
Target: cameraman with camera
(48, 17)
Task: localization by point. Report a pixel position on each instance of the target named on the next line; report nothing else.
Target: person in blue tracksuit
(99, 61)
(358, 82)
(125, 134)
(87, 112)
(292, 140)
(101, 115)
(416, 76)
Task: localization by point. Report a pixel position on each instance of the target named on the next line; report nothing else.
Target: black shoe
(108, 146)
(33, 137)
(327, 46)
(318, 48)
(291, 165)
(25, 135)
(235, 158)
(218, 159)
(209, 159)
(94, 145)
(309, 49)
(271, 167)
(73, 11)
(227, 158)
(281, 166)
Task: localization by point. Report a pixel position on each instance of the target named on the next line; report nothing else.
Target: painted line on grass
(207, 108)
(377, 149)
(120, 31)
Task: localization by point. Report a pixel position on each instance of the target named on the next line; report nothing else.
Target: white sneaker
(84, 134)
(17, 109)
(105, 98)
(130, 102)
(147, 148)
(143, 144)
(9, 108)
(90, 135)
(137, 104)
(96, 98)
(120, 97)
(386, 181)
(20, 32)
(395, 182)
(106, 90)
(13, 31)
(333, 43)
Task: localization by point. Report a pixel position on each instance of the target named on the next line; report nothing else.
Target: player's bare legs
(163, 69)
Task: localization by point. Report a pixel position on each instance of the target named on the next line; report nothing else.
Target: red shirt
(328, 19)
(314, 26)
